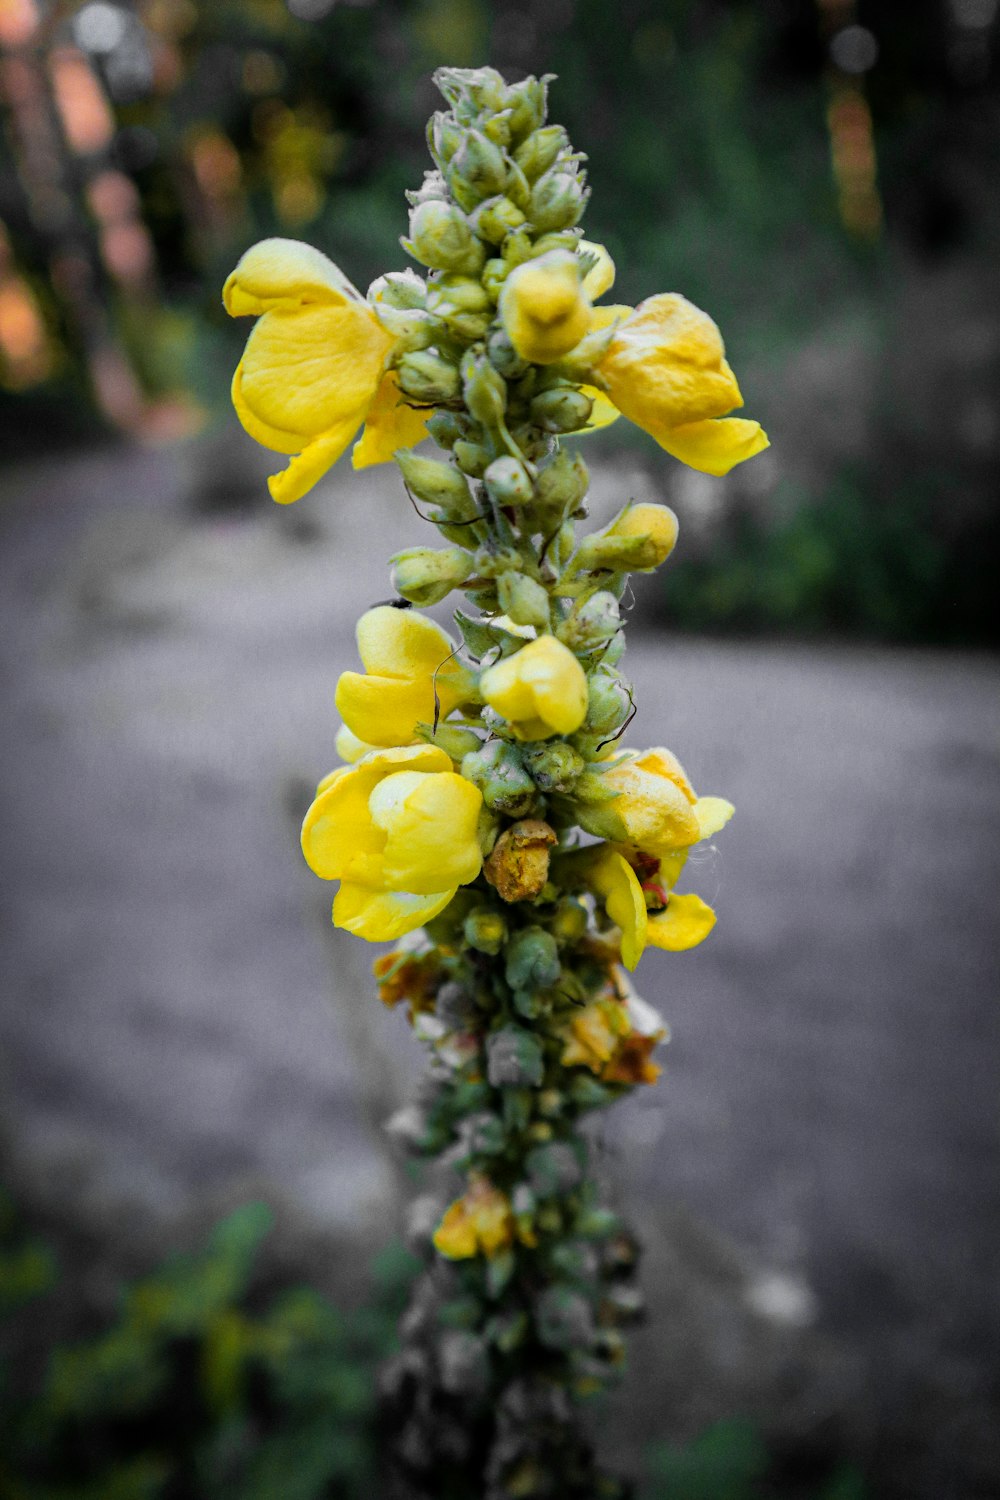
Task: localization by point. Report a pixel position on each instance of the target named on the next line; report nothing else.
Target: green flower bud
(484, 390)
(434, 482)
(540, 150)
(591, 623)
(452, 738)
(445, 427)
(462, 305)
(563, 1318)
(432, 187)
(472, 458)
(561, 409)
(472, 90)
(554, 765)
(477, 168)
(561, 485)
(493, 561)
(531, 960)
(403, 289)
(549, 1219)
(517, 248)
(485, 930)
(508, 1330)
(427, 377)
(499, 773)
(494, 219)
(558, 199)
(553, 1170)
(425, 575)
(411, 328)
(524, 600)
(493, 277)
(607, 703)
(503, 356)
(514, 1058)
(569, 923)
(444, 136)
(527, 102)
(508, 483)
(440, 237)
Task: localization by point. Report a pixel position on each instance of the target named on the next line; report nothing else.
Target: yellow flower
(545, 307)
(401, 652)
(593, 1033)
(399, 831)
(665, 369)
(481, 1220)
(314, 366)
(654, 808)
(541, 690)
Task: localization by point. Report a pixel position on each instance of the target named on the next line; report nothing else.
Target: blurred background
(182, 1033)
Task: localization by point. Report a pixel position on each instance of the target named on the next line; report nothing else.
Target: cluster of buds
(487, 818)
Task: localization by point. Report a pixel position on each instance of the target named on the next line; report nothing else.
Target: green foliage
(204, 1386)
(730, 1461)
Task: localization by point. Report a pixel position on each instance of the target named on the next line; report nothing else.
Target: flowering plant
(487, 818)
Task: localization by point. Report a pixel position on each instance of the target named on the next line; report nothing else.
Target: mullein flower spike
(488, 817)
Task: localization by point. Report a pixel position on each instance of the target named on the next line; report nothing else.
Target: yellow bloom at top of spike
(406, 657)
(545, 306)
(399, 830)
(314, 365)
(541, 690)
(665, 369)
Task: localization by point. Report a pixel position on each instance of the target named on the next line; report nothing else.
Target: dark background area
(816, 1181)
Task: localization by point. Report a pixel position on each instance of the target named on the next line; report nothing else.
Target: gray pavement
(177, 1019)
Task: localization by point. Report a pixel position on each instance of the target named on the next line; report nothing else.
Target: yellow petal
(312, 463)
(384, 710)
(278, 439)
(604, 410)
(541, 687)
(713, 813)
(401, 642)
(308, 369)
(665, 366)
(545, 308)
(330, 778)
(601, 276)
(686, 922)
(714, 447)
(431, 825)
(614, 879)
(455, 1236)
(284, 273)
(391, 424)
(381, 916)
(349, 747)
(339, 839)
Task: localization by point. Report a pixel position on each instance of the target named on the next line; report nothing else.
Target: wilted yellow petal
(391, 424)
(686, 922)
(713, 447)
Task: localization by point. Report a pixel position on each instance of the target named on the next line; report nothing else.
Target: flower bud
(514, 1058)
(540, 150)
(522, 599)
(402, 289)
(607, 703)
(560, 487)
(503, 356)
(485, 930)
(518, 867)
(493, 276)
(562, 409)
(440, 237)
(494, 219)
(432, 187)
(527, 104)
(445, 427)
(454, 1005)
(410, 328)
(477, 168)
(472, 458)
(425, 575)
(499, 773)
(451, 738)
(433, 482)
(531, 960)
(444, 136)
(553, 1170)
(485, 391)
(563, 1318)
(591, 623)
(569, 921)
(427, 377)
(638, 540)
(544, 308)
(554, 766)
(507, 482)
(518, 247)
(558, 199)
(461, 304)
